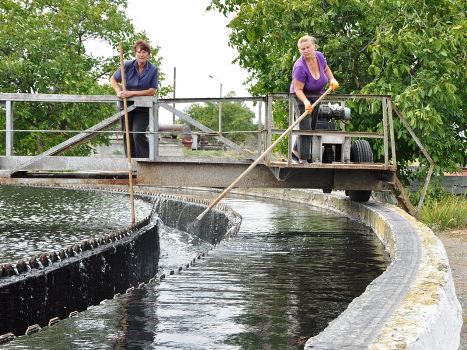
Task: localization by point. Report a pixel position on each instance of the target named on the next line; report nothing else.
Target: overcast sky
(192, 40)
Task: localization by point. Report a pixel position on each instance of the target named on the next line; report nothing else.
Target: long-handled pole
(260, 158)
(127, 138)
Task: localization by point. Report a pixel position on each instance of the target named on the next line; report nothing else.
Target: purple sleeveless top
(302, 74)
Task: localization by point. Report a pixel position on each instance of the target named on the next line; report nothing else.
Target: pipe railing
(152, 103)
(387, 120)
(265, 130)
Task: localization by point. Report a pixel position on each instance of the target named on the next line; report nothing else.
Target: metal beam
(9, 126)
(75, 140)
(205, 172)
(425, 153)
(204, 128)
(68, 164)
(153, 134)
(221, 175)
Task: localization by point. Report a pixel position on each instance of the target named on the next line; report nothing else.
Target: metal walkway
(275, 171)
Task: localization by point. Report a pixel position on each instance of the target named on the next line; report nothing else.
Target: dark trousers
(138, 121)
(303, 144)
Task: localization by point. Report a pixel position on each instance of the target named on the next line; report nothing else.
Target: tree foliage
(413, 50)
(43, 50)
(236, 116)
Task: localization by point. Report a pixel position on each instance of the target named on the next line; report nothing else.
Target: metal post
(391, 132)
(260, 128)
(268, 124)
(385, 131)
(173, 95)
(9, 127)
(220, 104)
(290, 143)
(220, 111)
(154, 131)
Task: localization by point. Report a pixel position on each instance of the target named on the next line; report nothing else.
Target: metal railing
(388, 125)
(265, 130)
(152, 103)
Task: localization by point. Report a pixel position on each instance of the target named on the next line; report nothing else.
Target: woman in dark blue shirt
(140, 80)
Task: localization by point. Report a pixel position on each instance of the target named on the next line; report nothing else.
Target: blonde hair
(307, 38)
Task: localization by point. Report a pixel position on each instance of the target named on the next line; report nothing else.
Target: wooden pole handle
(127, 138)
(261, 156)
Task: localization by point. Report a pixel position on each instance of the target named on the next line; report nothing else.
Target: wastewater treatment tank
(289, 271)
(36, 220)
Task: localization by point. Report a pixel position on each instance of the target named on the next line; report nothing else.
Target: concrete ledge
(413, 304)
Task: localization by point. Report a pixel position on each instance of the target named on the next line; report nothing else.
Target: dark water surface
(285, 276)
(36, 220)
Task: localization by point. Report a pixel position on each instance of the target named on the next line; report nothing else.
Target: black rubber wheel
(328, 154)
(359, 196)
(328, 157)
(360, 152)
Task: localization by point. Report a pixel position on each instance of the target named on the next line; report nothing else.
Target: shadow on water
(283, 278)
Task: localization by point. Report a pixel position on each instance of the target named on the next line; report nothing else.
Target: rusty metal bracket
(425, 153)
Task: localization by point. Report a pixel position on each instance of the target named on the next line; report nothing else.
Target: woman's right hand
(124, 94)
(308, 106)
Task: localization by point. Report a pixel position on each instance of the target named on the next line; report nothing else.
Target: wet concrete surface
(455, 243)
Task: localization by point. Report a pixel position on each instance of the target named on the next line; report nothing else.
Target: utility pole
(220, 104)
(173, 94)
(220, 110)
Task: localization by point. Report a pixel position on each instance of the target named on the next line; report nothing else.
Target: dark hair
(143, 45)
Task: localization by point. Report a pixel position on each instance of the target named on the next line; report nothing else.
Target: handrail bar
(212, 99)
(362, 134)
(284, 95)
(24, 97)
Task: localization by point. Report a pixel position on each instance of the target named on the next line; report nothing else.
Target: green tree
(42, 50)
(236, 116)
(412, 50)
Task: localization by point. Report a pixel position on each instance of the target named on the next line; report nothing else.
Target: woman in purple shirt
(310, 75)
(140, 80)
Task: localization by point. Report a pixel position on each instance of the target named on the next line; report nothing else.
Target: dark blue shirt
(134, 82)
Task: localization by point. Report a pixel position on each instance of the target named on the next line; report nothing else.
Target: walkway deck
(197, 172)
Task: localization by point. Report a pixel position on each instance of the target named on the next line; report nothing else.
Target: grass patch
(444, 211)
